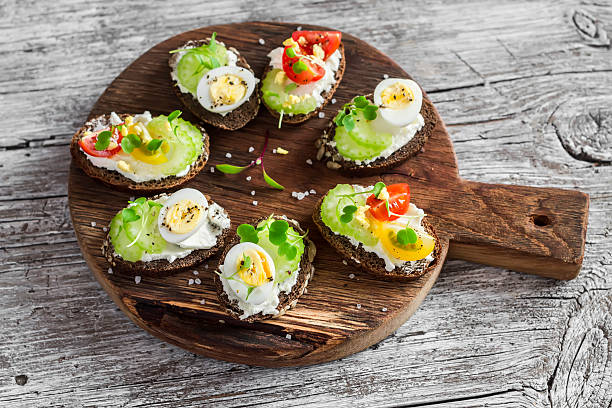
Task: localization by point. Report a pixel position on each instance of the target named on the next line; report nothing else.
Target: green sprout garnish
(130, 142)
(231, 169)
(203, 54)
(154, 144)
(278, 234)
(346, 115)
(407, 236)
(131, 214)
(347, 214)
(246, 263)
(299, 66)
(247, 233)
(103, 140)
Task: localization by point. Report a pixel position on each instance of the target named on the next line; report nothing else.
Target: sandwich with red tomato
(379, 230)
(303, 75)
(140, 152)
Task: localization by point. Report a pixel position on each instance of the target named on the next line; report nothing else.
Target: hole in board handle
(541, 220)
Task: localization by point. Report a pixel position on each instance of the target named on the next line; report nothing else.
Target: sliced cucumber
(145, 230)
(120, 241)
(282, 265)
(194, 64)
(352, 150)
(364, 135)
(331, 209)
(275, 96)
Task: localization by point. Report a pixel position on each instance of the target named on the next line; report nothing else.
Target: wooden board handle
(535, 230)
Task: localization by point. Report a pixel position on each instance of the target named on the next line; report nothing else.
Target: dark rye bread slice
(326, 95)
(286, 301)
(161, 267)
(335, 161)
(234, 119)
(369, 261)
(120, 182)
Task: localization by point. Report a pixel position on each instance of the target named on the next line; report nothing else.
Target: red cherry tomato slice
(328, 40)
(88, 144)
(399, 200)
(301, 69)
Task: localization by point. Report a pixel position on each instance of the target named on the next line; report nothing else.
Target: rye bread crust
(295, 119)
(334, 160)
(161, 267)
(235, 119)
(120, 182)
(369, 261)
(286, 301)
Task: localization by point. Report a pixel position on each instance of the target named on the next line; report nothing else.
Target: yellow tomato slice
(157, 157)
(410, 252)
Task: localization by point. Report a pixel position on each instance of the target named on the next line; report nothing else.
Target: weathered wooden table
(525, 90)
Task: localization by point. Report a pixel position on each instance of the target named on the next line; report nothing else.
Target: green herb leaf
(129, 215)
(349, 209)
(134, 139)
(346, 218)
(229, 169)
(246, 262)
(154, 144)
(290, 52)
(378, 188)
(407, 236)
(291, 87)
(279, 225)
(212, 46)
(247, 233)
(369, 112)
(127, 145)
(287, 250)
(339, 117)
(103, 140)
(361, 102)
(249, 291)
(278, 232)
(154, 204)
(270, 181)
(175, 114)
(299, 67)
(348, 122)
(140, 200)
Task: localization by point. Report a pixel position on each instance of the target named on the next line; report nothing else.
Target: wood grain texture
(485, 336)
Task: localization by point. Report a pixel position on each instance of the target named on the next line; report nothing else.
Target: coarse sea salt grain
(110, 271)
(313, 191)
(93, 223)
(253, 192)
(203, 301)
(104, 229)
(221, 321)
(358, 305)
(352, 276)
(137, 279)
(212, 169)
(251, 149)
(198, 281)
(299, 28)
(344, 262)
(274, 151)
(386, 76)
(190, 282)
(248, 178)
(288, 336)
(333, 101)
(254, 202)
(384, 309)
(196, 272)
(321, 115)
(228, 155)
(262, 41)
(309, 162)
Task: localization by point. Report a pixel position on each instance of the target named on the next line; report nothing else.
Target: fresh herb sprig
(279, 234)
(348, 113)
(204, 54)
(132, 214)
(231, 169)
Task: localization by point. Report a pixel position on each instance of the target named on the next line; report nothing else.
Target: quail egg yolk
(253, 268)
(182, 217)
(227, 90)
(397, 96)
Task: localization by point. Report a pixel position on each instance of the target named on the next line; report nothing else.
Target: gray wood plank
(507, 77)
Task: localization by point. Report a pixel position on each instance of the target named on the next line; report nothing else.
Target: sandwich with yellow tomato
(378, 229)
(140, 152)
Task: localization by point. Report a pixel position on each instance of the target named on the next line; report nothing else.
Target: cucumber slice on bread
(286, 300)
(190, 149)
(327, 96)
(341, 150)
(233, 120)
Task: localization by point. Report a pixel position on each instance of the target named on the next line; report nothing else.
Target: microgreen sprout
(346, 116)
(103, 140)
(407, 236)
(141, 209)
(231, 169)
(204, 54)
(279, 234)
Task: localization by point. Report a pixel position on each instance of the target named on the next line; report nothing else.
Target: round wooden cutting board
(344, 310)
